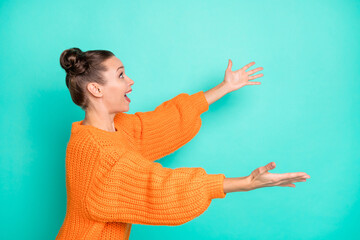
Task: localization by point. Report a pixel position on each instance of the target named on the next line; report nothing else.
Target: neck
(102, 121)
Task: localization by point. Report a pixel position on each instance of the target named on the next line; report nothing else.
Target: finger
(253, 83)
(255, 70)
(229, 65)
(256, 76)
(246, 67)
(263, 169)
(293, 180)
(287, 185)
(300, 179)
(292, 175)
(288, 177)
(267, 167)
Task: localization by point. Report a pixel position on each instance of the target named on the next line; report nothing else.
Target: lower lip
(128, 99)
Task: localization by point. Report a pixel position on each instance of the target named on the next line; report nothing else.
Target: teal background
(304, 116)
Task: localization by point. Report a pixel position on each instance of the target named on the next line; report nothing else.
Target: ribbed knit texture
(112, 180)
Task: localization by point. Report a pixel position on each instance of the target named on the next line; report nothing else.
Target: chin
(126, 109)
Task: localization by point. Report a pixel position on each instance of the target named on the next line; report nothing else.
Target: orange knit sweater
(112, 180)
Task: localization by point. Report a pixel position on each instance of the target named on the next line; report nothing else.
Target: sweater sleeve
(170, 126)
(128, 188)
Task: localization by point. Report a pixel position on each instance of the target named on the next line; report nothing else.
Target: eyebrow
(119, 68)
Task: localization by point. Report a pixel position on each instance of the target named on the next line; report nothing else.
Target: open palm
(239, 78)
(260, 177)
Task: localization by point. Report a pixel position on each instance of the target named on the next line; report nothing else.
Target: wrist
(237, 184)
(224, 88)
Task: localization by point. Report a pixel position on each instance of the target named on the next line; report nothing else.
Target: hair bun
(74, 62)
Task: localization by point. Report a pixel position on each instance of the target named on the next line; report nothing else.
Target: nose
(131, 81)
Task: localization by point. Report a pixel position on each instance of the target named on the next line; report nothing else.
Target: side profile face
(112, 97)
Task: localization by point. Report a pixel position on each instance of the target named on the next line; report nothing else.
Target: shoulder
(115, 152)
(126, 118)
(83, 139)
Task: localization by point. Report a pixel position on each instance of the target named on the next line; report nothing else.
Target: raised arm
(175, 122)
(127, 188)
(170, 126)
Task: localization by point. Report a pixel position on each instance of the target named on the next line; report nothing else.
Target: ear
(94, 89)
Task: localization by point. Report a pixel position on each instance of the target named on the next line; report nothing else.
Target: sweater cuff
(199, 101)
(214, 184)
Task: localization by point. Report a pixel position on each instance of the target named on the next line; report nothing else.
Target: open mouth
(126, 97)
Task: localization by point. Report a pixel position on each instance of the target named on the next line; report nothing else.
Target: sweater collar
(77, 126)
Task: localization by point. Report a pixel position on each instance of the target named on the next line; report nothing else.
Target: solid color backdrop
(304, 116)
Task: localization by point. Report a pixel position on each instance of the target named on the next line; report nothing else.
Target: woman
(112, 180)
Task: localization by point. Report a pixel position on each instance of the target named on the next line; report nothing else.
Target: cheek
(115, 94)
(116, 90)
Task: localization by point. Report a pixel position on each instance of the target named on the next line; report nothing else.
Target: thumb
(229, 65)
(267, 167)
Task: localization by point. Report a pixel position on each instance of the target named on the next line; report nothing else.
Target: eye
(121, 74)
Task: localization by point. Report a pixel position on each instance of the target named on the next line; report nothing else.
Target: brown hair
(82, 68)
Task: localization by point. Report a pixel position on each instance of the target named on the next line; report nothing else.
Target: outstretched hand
(239, 78)
(260, 177)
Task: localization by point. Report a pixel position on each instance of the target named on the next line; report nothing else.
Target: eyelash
(121, 74)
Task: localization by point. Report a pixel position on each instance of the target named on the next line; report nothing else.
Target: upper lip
(129, 91)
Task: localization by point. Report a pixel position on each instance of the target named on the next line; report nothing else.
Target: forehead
(113, 63)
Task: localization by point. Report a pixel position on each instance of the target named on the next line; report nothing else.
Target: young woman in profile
(112, 180)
